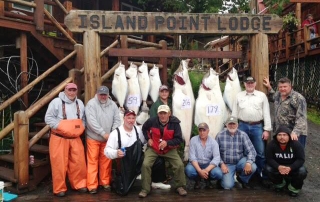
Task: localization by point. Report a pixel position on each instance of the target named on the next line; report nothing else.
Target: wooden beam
(24, 67)
(21, 149)
(164, 61)
(92, 64)
(174, 53)
(115, 5)
(2, 8)
(38, 17)
(259, 59)
(304, 1)
(124, 46)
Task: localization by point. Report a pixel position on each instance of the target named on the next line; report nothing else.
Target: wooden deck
(237, 194)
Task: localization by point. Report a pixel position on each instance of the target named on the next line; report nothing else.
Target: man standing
(163, 99)
(237, 155)
(102, 116)
(312, 29)
(65, 116)
(290, 109)
(204, 158)
(163, 134)
(252, 109)
(285, 159)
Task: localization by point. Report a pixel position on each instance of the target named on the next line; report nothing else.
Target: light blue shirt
(208, 154)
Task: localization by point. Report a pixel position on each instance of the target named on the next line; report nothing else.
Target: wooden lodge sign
(124, 22)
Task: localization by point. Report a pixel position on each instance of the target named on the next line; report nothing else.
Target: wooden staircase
(37, 171)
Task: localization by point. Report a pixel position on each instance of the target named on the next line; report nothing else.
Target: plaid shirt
(233, 148)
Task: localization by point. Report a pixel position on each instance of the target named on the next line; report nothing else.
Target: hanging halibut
(120, 85)
(144, 81)
(210, 106)
(183, 102)
(155, 83)
(134, 96)
(232, 88)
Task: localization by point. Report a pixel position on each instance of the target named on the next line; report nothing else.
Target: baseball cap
(129, 112)
(71, 85)
(203, 126)
(249, 79)
(163, 87)
(163, 108)
(232, 119)
(103, 90)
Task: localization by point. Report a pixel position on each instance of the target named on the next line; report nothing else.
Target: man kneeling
(285, 159)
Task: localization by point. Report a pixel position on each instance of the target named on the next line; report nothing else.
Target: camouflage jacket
(291, 112)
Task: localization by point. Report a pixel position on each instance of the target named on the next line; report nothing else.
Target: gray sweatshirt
(101, 118)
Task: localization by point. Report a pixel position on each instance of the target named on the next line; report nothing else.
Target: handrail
(36, 106)
(61, 7)
(34, 82)
(140, 42)
(39, 135)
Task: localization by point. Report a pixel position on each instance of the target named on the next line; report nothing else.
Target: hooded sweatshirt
(54, 112)
(292, 156)
(101, 118)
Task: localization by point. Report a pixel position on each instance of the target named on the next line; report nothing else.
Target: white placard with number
(133, 101)
(213, 110)
(186, 103)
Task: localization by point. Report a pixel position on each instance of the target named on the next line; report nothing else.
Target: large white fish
(210, 106)
(143, 115)
(134, 96)
(155, 83)
(120, 85)
(183, 103)
(232, 88)
(144, 81)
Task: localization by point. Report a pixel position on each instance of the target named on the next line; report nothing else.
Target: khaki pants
(97, 163)
(172, 157)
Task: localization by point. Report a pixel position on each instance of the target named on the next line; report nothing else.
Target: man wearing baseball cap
(252, 109)
(204, 158)
(285, 159)
(102, 116)
(237, 155)
(163, 99)
(65, 116)
(163, 134)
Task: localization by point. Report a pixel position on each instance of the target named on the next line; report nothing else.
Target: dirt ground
(310, 191)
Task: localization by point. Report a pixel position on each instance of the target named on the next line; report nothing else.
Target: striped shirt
(233, 148)
(204, 154)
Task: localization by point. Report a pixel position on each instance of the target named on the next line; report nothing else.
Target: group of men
(231, 154)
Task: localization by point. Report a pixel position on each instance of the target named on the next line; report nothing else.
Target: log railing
(290, 45)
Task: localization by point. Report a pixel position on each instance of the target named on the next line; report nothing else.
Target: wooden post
(68, 6)
(306, 38)
(115, 5)
(1, 8)
(38, 17)
(77, 79)
(164, 62)
(92, 64)
(124, 44)
(298, 15)
(21, 149)
(259, 59)
(22, 44)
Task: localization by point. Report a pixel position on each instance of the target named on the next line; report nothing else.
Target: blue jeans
(302, 139)
(191, 172)
(255, 134)
(227, 181)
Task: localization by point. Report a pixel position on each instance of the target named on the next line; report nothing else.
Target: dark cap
(129, 112)
(283, 129)
(231, 119)
(203, 126)
(249, 79)
(163, 87)
(103, 90)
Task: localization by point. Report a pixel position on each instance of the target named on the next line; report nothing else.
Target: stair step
(40, 149)
(7, 174)
(10, 158)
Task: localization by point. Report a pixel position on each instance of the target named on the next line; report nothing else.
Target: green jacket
(154, 107)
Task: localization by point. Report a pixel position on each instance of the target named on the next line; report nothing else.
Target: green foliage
(290, 21)
(276, 6)
(195, 79)
(314, 115)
